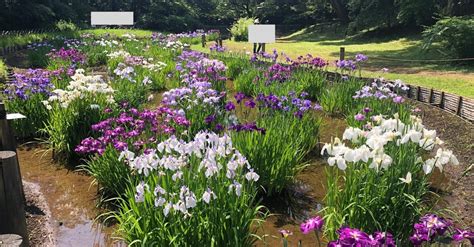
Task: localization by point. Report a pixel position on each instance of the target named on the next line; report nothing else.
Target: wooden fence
(25, 32)
(461, 106)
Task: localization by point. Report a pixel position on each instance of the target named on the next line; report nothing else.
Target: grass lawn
(446, 76)
(3, 69)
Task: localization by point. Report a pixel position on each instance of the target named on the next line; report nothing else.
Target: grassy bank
(391, 53)
(3, 70)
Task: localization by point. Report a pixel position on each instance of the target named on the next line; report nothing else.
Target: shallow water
(70, 196)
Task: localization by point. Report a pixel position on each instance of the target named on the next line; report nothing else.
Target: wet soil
(302, 200)
(38, 217)
(458, 135)
(299, 202)
(69, 203)
(18, 59)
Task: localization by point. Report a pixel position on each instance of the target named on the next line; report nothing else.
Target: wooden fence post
(430, 96)
(6, 132)
(12, 203)
(418, 93)
(441, 103)
(342, 53)
(409, 91)
(203, 40)
(458, 109)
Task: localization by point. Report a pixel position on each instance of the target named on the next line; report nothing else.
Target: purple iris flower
(209, 119)
(313, 224)
(229, 106)
(460, 235)
(250, 103)
(398, 100)
(359, 117)
(361, 58)
(239, 97)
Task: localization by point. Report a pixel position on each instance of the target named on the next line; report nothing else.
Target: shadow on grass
(316, 33)
(408, 60)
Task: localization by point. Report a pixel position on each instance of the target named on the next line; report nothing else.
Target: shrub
(198, 193)
(381, 178)
(3, 70)
(65, 26)
(239, 29)
(454, 33)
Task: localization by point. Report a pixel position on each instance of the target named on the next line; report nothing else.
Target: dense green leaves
(185, 15)
(455, 34)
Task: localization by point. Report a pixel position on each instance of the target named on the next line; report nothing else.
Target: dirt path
(458, 135)
(65, 200)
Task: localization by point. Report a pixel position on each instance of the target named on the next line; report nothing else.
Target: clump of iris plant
(292, 103)
(217, 48)
(133, 130)
(432, 228)
(307, 61)
(350, 65)
(33, 81)
(72, 55)
(355, 237)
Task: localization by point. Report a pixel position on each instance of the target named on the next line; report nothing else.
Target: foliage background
(185, 15)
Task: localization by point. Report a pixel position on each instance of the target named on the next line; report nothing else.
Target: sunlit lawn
(443, 76)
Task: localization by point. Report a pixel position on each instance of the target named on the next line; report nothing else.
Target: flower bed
(194, 169)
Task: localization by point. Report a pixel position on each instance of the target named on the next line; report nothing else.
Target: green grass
(3, 70)
(12, 40)
(118, 32)
(452, 78)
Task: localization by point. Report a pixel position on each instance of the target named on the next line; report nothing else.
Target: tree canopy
(184, 15)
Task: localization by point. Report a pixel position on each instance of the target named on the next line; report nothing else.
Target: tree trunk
(341, 10)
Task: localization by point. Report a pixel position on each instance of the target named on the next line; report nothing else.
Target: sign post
(261, 34)
(106, 18)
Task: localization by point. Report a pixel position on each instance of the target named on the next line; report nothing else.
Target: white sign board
(111, 18)
(262, 33)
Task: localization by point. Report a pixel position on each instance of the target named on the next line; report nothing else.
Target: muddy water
(70, 196)
(302, 200)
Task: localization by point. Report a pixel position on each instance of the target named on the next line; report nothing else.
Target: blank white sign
(111, 18)
(262, 33)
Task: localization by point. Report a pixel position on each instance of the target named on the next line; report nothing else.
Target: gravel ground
(458, 135)
(38, 217)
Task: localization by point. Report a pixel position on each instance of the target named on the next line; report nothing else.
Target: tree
(341, 10)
